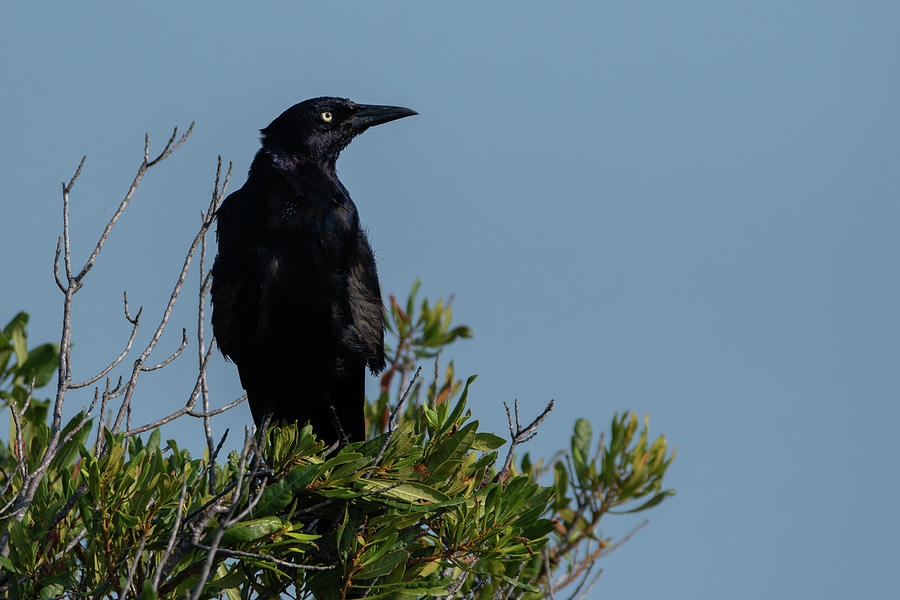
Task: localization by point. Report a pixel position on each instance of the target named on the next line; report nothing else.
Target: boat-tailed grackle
(296, 300)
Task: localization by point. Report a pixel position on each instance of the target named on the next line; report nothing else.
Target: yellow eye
(326, 116)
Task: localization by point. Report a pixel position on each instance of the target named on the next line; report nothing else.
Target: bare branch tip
(67, 187)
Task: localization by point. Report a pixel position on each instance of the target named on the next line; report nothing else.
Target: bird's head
(320, 128)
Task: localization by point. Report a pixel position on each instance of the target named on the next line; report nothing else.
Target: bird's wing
(366, 307)
(235, 283)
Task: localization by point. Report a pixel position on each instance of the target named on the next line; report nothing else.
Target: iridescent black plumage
(295, 293)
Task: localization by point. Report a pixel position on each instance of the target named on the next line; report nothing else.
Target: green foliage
(19, 369)
(419, 510)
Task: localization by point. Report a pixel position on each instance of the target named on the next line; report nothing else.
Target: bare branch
(226, 522)
(67, 188)
(173, 356)
(265, 557)
(201, 339)
(75, 541)
(21, 464)
(132, 382)
(217, 411)
(590, 585)
(131, 570)
(171, 145)
(134, 328)
(546, 554)
(59, 282)
(392, 423)
(171, 544)
(186, 409)
(520, 434)
(64, 372)
(211, 465)
(142, 170)
(67, 507)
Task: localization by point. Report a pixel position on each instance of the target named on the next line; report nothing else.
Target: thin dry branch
(142, 170)
(176, 527)
(520, 434)
(70, 286)
(266, 558)
(135, 323)
(392, 422)
(173, 356)
(227, 522)
(126, 587)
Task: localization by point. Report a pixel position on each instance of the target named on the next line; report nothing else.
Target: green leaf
(487, 441)
(457, 445)
(7, 564)
(17, 322)
(411, 301)
(41, 364)
(382, 565)
(20, 345)
(560, 484)
(410, 491)
(581, 440)
(247, 531)
(21, 547)
(149, 594)
(274, 499)
(51, 590)
(648, 504)
(453, 417)
(302, 476)
(5, 353)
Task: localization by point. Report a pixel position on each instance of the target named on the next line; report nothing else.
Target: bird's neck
(290, 162)
(298, 171)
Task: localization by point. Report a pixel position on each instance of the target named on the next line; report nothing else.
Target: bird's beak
(369, 115)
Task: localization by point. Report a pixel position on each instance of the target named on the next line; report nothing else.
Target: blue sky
(689, 209)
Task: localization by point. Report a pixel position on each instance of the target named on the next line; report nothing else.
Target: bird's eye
(327, 116)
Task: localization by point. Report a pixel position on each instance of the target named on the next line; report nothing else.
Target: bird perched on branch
(295, 294)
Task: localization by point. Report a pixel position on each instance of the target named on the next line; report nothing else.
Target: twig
(102, 589)
(515, 577)
(134, 328)
(176, 290)
(175, 528)
(201, 334)
(590, 585)
(75, 541)
(187, 408)
(437, 358)
(172, 356)
(520, 434)
(336, 421)
(21, 463)
(131, 570)
(392, 422)
(602, 551)
(226, 522)
(371, 587)
(546, 554)
(59, 282)
(67, 507)
(142, 170)
(218, 411)
(267, 558)
(73, 283)
(211, 466)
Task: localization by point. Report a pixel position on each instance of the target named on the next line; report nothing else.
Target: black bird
(296, 300)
